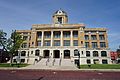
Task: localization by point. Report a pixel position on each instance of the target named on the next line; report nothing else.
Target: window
(86, 37)
(102, 44)
(94, 45)
(22, 60)
(95, 54)
(103, 53)
(24, 45)
(32, 43)
(29, 37)
(81, 42)
(60, 20)
(56, 34)
(47, 43)
(76, 53)
(75, 34)
(87, 44)
(93, 37)
(66, 42)
(31, 52)
(28, 54)
(87, 53)
(88, 61)
(82, 52)
(56, 42)
(101, 37)
(25, 37)
(39, 43)
(66, 34)
(47, 34)
(75, 42)
(37, 52)
(39, 34)
(23, 53)
(104, 61)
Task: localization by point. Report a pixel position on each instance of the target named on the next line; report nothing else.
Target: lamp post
(78, 59)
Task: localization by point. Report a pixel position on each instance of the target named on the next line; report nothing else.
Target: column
(106, 39)
(98, 40)
(71, 38)
(51, 38)
(61, 39)
(33, 38)
(42, 41)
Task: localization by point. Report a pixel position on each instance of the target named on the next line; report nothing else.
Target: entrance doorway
(46, 53)
(66, 54)
(56, 54)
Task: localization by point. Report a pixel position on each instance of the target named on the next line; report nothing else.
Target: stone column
(42, 40)
(51, 38)
(98, 40)
(33, 38)
(61, 39)
(71, 38)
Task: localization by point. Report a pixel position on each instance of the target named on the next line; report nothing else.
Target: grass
(101, 66)
(13, 65)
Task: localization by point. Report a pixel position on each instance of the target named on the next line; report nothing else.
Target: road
(57, 75)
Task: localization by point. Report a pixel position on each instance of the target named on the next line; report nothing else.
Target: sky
(21, 14)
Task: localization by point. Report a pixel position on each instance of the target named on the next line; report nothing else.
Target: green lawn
(101, 66)
(13, 65)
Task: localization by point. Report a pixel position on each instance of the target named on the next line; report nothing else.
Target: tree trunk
(11, 59)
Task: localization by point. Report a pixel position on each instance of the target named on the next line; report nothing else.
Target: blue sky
(21, 14)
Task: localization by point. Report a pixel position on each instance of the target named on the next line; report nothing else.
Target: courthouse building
(63, 41)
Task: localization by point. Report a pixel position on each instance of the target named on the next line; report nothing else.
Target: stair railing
(53, 62)
(60, 62)
(47, 61)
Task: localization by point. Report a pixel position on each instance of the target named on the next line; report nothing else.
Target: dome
(60, 12)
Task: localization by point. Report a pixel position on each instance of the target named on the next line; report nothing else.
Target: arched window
(87, 53)
(23, 53)
(103, 53)
(95, 54)
(37, 52)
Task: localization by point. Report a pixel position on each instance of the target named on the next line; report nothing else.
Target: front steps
(54, 64)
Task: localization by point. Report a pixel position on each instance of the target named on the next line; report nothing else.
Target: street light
(79, 60)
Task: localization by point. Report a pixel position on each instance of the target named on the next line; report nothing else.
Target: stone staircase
(54, 64)
(31, 61)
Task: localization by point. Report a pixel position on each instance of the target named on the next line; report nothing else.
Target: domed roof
(60, 12)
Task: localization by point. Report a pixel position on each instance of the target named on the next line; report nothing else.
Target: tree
(13, 44)
(2, 38)
(3, 46)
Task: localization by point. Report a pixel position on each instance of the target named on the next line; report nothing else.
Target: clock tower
(60, 17)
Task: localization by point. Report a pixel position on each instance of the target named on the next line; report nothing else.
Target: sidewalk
(86, 70)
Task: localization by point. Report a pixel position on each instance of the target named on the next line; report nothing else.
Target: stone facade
(64, 41)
